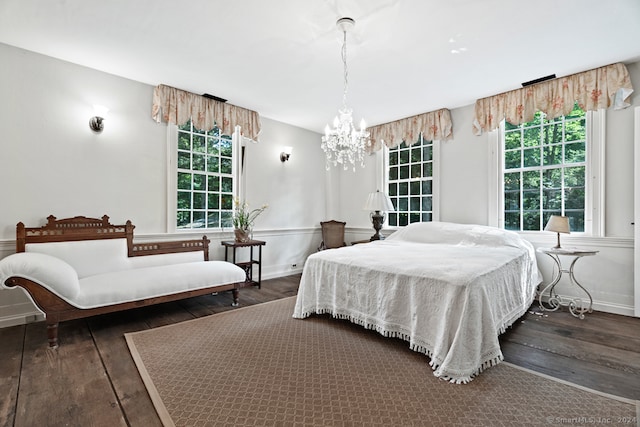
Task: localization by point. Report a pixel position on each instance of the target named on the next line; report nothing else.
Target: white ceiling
(282, 57)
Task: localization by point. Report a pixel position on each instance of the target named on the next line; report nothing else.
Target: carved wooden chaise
(78, 267)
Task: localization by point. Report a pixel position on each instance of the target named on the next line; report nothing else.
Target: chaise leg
(52, 335)
(235, 298)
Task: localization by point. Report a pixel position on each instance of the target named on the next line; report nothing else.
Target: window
(545, 168)
(410, 181)
(205, 178)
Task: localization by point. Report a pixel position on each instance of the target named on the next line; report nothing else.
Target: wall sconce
(96, 123)
(286, 152)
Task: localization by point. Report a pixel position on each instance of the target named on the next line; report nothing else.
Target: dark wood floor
(92, 380)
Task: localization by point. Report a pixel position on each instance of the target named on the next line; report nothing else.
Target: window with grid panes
(410, 182)
(204, 178)
(545, 171)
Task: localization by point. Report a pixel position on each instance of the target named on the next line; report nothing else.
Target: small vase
(242, 236)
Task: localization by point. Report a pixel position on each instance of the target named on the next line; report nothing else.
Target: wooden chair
(332, 234)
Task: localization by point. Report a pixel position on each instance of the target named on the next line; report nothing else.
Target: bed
(448, 289)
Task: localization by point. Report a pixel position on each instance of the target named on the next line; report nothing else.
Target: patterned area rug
(257, 366)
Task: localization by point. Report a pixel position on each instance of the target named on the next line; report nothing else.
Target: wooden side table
(247, 266)
(576, 306)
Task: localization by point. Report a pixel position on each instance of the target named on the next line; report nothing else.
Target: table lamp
(558, 224)
(378, 203)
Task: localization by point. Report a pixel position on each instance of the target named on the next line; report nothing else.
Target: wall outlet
(294, 265)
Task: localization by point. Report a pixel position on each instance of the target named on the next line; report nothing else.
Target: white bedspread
(448, 289)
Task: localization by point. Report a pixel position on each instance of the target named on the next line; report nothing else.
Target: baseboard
(30, 316)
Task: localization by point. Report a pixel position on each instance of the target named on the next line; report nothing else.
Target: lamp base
(557, 246)
(377, 219)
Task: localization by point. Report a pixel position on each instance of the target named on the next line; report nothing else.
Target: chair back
(332, 234)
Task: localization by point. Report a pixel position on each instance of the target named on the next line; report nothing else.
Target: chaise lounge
(78, 267)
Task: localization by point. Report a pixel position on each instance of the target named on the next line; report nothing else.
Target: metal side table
(555, 301)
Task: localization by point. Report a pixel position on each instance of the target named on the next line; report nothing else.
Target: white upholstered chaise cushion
(149, 282)
(50, 272)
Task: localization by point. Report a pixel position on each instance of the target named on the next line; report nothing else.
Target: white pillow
(88, 257)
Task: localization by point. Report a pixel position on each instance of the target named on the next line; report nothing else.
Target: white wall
(52, 163)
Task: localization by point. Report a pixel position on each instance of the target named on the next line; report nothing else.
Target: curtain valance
(178, 106)
(592, 90)
(432, 125)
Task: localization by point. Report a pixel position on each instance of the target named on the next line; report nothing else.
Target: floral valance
(433, 125)
(178, 106)
(592, 90)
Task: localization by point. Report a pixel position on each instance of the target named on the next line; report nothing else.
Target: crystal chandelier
(344, 144)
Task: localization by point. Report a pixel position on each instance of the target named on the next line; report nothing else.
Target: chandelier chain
(346, 72)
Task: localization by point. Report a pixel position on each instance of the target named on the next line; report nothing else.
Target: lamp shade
(558, 224)
(378, 201)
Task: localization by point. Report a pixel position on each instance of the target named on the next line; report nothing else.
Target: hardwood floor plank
(579, 372)
(66, 386)
(576, 345)
(12, 339)
(108, 333)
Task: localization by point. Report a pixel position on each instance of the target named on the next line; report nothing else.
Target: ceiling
(282, 57)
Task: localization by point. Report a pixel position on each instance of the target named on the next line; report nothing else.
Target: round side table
(555, 301)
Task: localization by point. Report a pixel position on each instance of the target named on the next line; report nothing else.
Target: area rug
(257, 366)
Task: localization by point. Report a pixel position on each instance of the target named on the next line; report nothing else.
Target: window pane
(184, 141)
(184, 200)
(184, 160)
(531, 157)
(512, 181)
(553, 133)
(575, 130)
(393, 173)
(199, 181)
(427, 203)
(226, 201)
(404, 188)
(426, 186)
(512, 140)
(415, 204)
(416, 154)
(414, 188)
(226, 165)
(531, 137)
(227, 184)
(512, 159)
(403, 204)
(213, 164)
(427, 169)
(553, 154)
(184, 181)
(198, 162)
(575, 152)
(512, 221)
(393, 189)
(198, 144)
(531, 221)
(213, 220)
(404, 156)
(199, 200)
(427, 153)
(404, 172)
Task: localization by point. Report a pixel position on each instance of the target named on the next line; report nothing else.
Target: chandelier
(344, 144)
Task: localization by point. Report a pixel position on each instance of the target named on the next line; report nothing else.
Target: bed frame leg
(235, 302)
(52, 335)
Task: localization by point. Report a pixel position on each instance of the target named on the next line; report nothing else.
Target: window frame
(172, 179)
(594, 176)
(383, 180)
